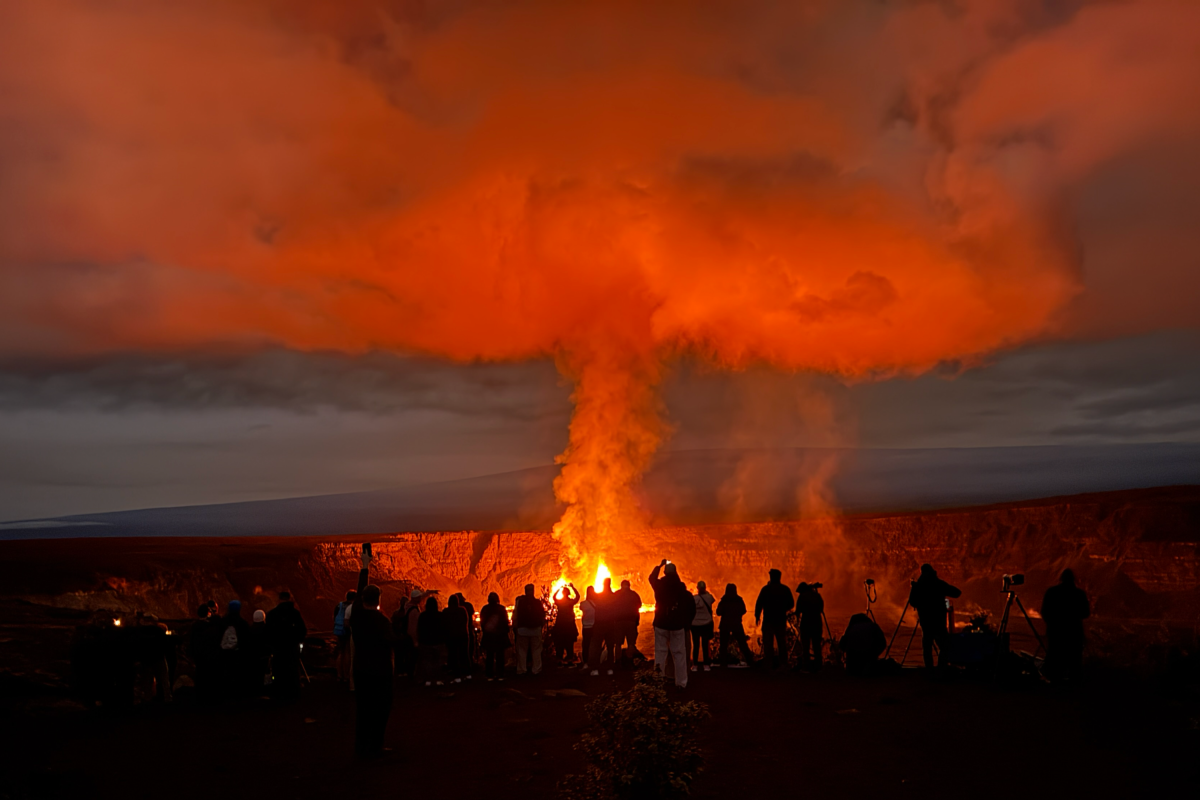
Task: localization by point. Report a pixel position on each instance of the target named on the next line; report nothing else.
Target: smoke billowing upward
(862, 189)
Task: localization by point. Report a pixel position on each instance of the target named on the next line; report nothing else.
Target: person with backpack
(493, 619)
(286, 633)
(529, 615)
(604, 632)
(373, 668)
(234, 652)
(674, 609)
(341, 629)
(702, 628)
(770, 611)
(731, 609)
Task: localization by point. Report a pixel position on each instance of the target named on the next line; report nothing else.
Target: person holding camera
(674, 610)
(928, 597)
(810, 608)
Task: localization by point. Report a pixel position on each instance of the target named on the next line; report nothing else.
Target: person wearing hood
(731, 609)
(286, 633)
(456, 630)
(493, 620)
(234, 653)
(374, 646)
(770, 611)
(862, 644)
(431, 642)
(928, 597)
(1064, 608)
(702, 628)
(258, 655)
(674, 609)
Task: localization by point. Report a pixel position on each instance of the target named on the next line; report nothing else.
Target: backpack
(339, 620)
(229, 640)
(683, 608)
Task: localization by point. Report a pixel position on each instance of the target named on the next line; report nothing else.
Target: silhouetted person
(1064, 608)
(493, 621)
(457, 630)
(810, 608)
(529, 616)
(587, 611)
(702, 627)
(674, 609)
(862, 644)
(604, 632)
(202, 650)
(286, 632)
(373, 670)
(431, 642)
(258, 655)
(234, 649)
(341, 629)
(564, 633)
(629, 616)
(404, 644)
(928, 597)
(731, 609)
(770, 611)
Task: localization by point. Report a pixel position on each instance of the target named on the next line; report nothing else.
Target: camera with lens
(816, 585)
(1012, 580)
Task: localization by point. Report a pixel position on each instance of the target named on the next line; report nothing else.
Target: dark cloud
(375, 383)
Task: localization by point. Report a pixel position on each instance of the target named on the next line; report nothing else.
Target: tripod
(1002, 630)
(872, 598)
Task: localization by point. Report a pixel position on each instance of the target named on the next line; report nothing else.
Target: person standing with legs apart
(702, 628)
(674, 609)
(731, 609)
(493, 619)
(774, 601)
(604, 632)
(529, 616)
(374, 672)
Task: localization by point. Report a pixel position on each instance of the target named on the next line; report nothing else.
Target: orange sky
(859, 188)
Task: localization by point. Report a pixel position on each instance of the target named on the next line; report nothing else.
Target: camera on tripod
(1009, 581)
(815, 585)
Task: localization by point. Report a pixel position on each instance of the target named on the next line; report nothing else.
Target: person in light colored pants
(676, 642)
(528, 641)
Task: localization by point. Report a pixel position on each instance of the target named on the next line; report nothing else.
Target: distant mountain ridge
(683, 487)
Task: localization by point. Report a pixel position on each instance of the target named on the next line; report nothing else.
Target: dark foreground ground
(770, 734)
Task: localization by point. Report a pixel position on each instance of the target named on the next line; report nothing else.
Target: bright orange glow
(608, 184)
(601, 574)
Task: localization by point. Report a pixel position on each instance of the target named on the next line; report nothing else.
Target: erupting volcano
(612, 185)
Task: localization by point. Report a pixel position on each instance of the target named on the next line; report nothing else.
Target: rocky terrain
(1138, 552)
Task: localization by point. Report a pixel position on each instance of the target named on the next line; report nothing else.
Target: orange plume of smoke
(858, 189)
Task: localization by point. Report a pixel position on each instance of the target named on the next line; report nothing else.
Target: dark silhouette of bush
(642, 745)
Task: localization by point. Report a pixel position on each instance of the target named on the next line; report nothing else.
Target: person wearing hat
(810, 607)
